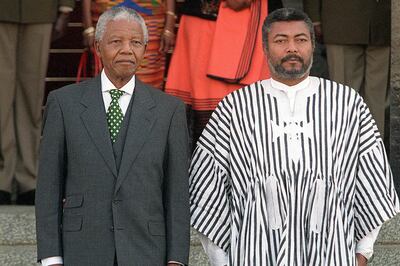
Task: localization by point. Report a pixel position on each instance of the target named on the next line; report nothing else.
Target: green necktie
(114, 114)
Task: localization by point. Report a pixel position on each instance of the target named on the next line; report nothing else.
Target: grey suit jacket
(360, 22)
(86, 210)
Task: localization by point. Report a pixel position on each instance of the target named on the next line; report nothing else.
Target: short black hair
(286, 14)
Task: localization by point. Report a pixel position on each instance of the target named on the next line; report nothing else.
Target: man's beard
(290, 74)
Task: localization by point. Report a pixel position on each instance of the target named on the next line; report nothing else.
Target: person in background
(356, 34)
(25, 34)
(160, 18)
(291, 170)
(218, 50)
(113, 171)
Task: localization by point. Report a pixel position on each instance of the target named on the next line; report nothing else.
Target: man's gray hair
(119, 13)
(286, 15)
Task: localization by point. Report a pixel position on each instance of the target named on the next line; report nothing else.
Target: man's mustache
(292, 57)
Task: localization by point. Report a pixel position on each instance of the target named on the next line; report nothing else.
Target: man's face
(121, 50)
(289, 51)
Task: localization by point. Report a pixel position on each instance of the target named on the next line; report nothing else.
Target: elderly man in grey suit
(113, 184)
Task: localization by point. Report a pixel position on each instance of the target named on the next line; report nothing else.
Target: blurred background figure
(25, 33)
(159, 16)
(357, 38)
(218, 50)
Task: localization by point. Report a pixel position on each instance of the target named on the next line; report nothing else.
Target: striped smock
(292, 178)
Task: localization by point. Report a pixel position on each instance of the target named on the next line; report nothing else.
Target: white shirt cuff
(366, 245)
(216, 255)
(52, 260)
(176, 262)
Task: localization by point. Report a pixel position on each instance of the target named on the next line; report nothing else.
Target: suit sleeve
(52, 164)
(176, 188)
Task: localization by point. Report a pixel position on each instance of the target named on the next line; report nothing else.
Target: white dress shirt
(106, 86)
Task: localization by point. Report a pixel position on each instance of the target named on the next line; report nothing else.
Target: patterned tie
(114, 114)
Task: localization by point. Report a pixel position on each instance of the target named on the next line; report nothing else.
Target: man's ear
(265, 50)
(97, 48)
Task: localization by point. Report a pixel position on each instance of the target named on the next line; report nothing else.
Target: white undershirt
(217, 256)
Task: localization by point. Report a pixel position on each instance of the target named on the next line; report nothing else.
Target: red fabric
(187, 77)
(187, 74)
(237, 44)
(84, 69)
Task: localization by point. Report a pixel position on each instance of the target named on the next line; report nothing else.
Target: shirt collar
(106, 84)
(285, 88)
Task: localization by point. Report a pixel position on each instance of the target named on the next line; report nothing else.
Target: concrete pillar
(395, 95)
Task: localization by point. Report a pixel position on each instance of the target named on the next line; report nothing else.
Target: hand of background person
(167, 39)
(237, 5)
(167, 43)
(361, 260)
(60, 26)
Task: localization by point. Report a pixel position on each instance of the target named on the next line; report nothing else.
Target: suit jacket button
(112, 228)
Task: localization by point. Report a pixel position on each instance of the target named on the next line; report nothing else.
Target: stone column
(395, 95)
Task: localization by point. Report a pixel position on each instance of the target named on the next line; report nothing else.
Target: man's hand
(60, 26)
(361, 260)
(237, 5)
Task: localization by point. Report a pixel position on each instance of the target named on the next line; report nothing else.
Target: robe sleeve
(210, 187)
(376, 200)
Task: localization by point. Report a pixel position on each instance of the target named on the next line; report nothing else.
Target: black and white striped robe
(275, 187)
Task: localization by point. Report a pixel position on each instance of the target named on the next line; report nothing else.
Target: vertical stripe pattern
(274, 188)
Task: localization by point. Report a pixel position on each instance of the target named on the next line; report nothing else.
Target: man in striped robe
(291, 170)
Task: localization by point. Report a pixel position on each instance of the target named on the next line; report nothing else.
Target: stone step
(17, 225)
(390, 232)
(197, 256)
(25, 255)
(17, 240)
(386, 255)
(20, 255)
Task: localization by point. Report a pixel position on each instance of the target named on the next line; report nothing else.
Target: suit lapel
(139, 127)
(95, 121)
